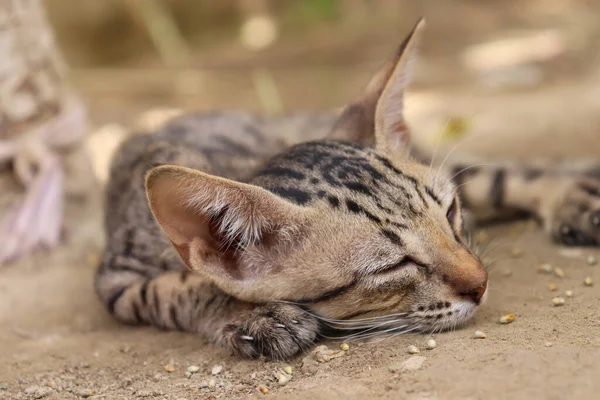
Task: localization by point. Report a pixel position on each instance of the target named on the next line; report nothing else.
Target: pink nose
(465, 274)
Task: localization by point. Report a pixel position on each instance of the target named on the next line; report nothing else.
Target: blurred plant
(162, 29)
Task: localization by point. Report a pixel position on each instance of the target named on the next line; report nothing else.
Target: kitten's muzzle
(465, 274)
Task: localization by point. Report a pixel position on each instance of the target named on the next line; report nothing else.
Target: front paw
(575, 218)
(277, 331)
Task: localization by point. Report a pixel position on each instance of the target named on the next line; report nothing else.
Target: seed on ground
(263, 389)
(85, 393)
(569, 293)
(507, 319)
(216, 370)
(548, 344)
(169, 368)
(588, 281)
(545, 268)
(413, 349)
(288, 370)
(193, 369)
(591, 260)
(431, 344)
(283, 379)
(516, 252)
(345, 346)
(480, 335)
(558, 301)
(559, 272)
(552, 287)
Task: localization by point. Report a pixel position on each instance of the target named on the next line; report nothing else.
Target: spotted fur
(264, 234)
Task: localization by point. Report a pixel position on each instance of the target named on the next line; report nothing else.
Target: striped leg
(187, 302)
(566, 200)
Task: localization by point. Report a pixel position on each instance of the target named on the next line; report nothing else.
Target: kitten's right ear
(376, 118)
(211, 221)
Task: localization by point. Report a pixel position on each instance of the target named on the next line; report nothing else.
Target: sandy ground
(57, 342)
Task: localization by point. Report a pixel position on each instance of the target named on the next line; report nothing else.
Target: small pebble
(188, 374)
(507, 319)
(569, 293)
(413, 349)
(545, 268)
(31, 389)
(588, 281)
(559, 272)
(558, 301)
(212, 382)
(591, 260)
(345, 346)
(263, 389)
(552, 287)
(288, 370)
(548, 344)
(193, 369)
(216, 370)
(169, 368)
(431, 344)
(480, 335)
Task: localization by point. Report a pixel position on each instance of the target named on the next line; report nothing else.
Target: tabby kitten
(215, 225)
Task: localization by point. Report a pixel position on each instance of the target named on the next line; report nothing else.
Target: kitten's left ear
(377, 117)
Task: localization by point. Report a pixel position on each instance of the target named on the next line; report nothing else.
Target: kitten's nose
(466, 275)
(477, 293)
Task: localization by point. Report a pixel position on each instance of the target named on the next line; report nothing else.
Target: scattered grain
(263, 389)
(345, 346)
(516, 252)
(431, 344)
(413, 349)
(548, 344)
(559, 272)
(85, 393)
(552, 287)
(569, 293)
(480, 335)
(323, 354)
(591, 260)
(216, 370)
(288, 370)
(193, 369)
(507, 319)
(283, 379)
(558, 301)
(169, 368)
(545, 268)
(588, 281)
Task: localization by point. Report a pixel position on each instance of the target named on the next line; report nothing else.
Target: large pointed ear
(376, 118)
(211, 221)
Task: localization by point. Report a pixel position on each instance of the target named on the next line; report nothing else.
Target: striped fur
(262, 234)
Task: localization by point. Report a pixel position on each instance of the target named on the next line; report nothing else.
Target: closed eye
(403, 263)
(451, 213)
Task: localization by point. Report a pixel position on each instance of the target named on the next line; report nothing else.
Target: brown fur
(216, 226)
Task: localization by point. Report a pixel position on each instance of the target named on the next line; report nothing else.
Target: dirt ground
(57, 341)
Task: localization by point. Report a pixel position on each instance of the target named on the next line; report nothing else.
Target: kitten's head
(349, 227)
